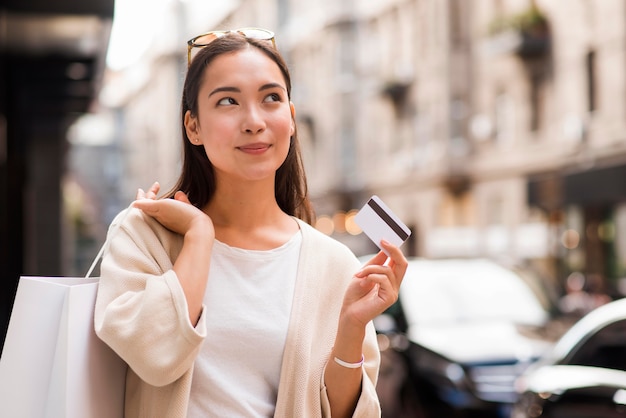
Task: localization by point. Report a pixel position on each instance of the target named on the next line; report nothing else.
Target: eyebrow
(237, 90)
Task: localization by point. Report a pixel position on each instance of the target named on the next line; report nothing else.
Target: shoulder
(321, 245)
(142, 229)
(134, 221)
(309, 233)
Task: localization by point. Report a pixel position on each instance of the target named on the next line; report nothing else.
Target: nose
(253, 121)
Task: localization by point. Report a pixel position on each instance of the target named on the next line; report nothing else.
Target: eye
(227, 101)
(273, 97)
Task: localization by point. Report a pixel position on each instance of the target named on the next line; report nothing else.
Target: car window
(465, 291)
(605, 348)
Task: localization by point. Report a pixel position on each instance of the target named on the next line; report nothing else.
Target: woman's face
(245, 119)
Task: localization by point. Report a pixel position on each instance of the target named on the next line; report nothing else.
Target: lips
(256, 148)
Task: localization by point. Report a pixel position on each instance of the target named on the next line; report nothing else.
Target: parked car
(584, 375)
(465, 329)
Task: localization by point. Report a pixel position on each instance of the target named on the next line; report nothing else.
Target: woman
(221, 298)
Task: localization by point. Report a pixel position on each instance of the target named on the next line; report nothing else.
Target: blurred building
(492, 127)
(51, 64)
(145, 96)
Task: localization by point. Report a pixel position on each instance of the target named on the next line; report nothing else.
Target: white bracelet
(350, 365)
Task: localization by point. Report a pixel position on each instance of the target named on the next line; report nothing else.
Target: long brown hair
(197, 178)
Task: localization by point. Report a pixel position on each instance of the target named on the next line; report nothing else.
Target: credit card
(379, 222)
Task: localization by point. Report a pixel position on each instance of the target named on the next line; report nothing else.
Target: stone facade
(484, 124)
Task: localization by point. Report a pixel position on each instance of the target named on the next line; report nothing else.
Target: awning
(600, 186)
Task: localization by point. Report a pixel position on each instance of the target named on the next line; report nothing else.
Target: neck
(249, 217)
(244, 206)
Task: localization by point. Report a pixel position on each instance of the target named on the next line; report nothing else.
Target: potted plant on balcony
(526, 33)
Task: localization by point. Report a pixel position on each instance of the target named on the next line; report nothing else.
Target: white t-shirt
(248, 302)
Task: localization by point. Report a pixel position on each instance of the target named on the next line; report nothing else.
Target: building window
(537, 101)
(504, 119)
(456, 23)
(591, 81)
(458, 117)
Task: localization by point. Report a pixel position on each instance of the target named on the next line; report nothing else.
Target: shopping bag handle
(107, 242)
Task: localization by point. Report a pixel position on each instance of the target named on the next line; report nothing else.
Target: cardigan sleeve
(368, 405)
(141, 311)
(344, 264)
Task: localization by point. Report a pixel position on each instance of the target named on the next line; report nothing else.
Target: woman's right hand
(150, 194)
(177, 215)
(193, 261)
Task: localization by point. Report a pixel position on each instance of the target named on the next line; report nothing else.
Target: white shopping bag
(53, 364)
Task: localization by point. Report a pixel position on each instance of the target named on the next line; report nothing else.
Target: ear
(293, 118)
(191, 128)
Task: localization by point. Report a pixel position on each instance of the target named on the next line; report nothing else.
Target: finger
(385, 278)
(146, 205)
(140, 194)
(181, 196)
(379, 259)
(397, 260)
(373, 278)
(155, 187)
(153, 190)
(374, 269)
(384, 286)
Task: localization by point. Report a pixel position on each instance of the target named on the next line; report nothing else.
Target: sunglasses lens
(204, 40)
(255, 33)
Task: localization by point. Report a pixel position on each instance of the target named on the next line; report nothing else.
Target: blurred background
(493, 128)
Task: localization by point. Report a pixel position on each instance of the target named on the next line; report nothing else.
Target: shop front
(587, 211)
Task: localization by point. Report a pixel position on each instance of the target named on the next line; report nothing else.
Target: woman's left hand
(375, 287)
(372, 290)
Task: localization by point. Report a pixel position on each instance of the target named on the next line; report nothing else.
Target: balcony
(526, 34)
(397, 91)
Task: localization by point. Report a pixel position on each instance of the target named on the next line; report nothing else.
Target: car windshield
(436, 292)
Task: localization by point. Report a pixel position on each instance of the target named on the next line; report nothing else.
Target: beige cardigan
(141, 313)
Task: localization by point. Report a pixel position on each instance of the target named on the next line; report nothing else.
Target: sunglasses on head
(205, 39)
